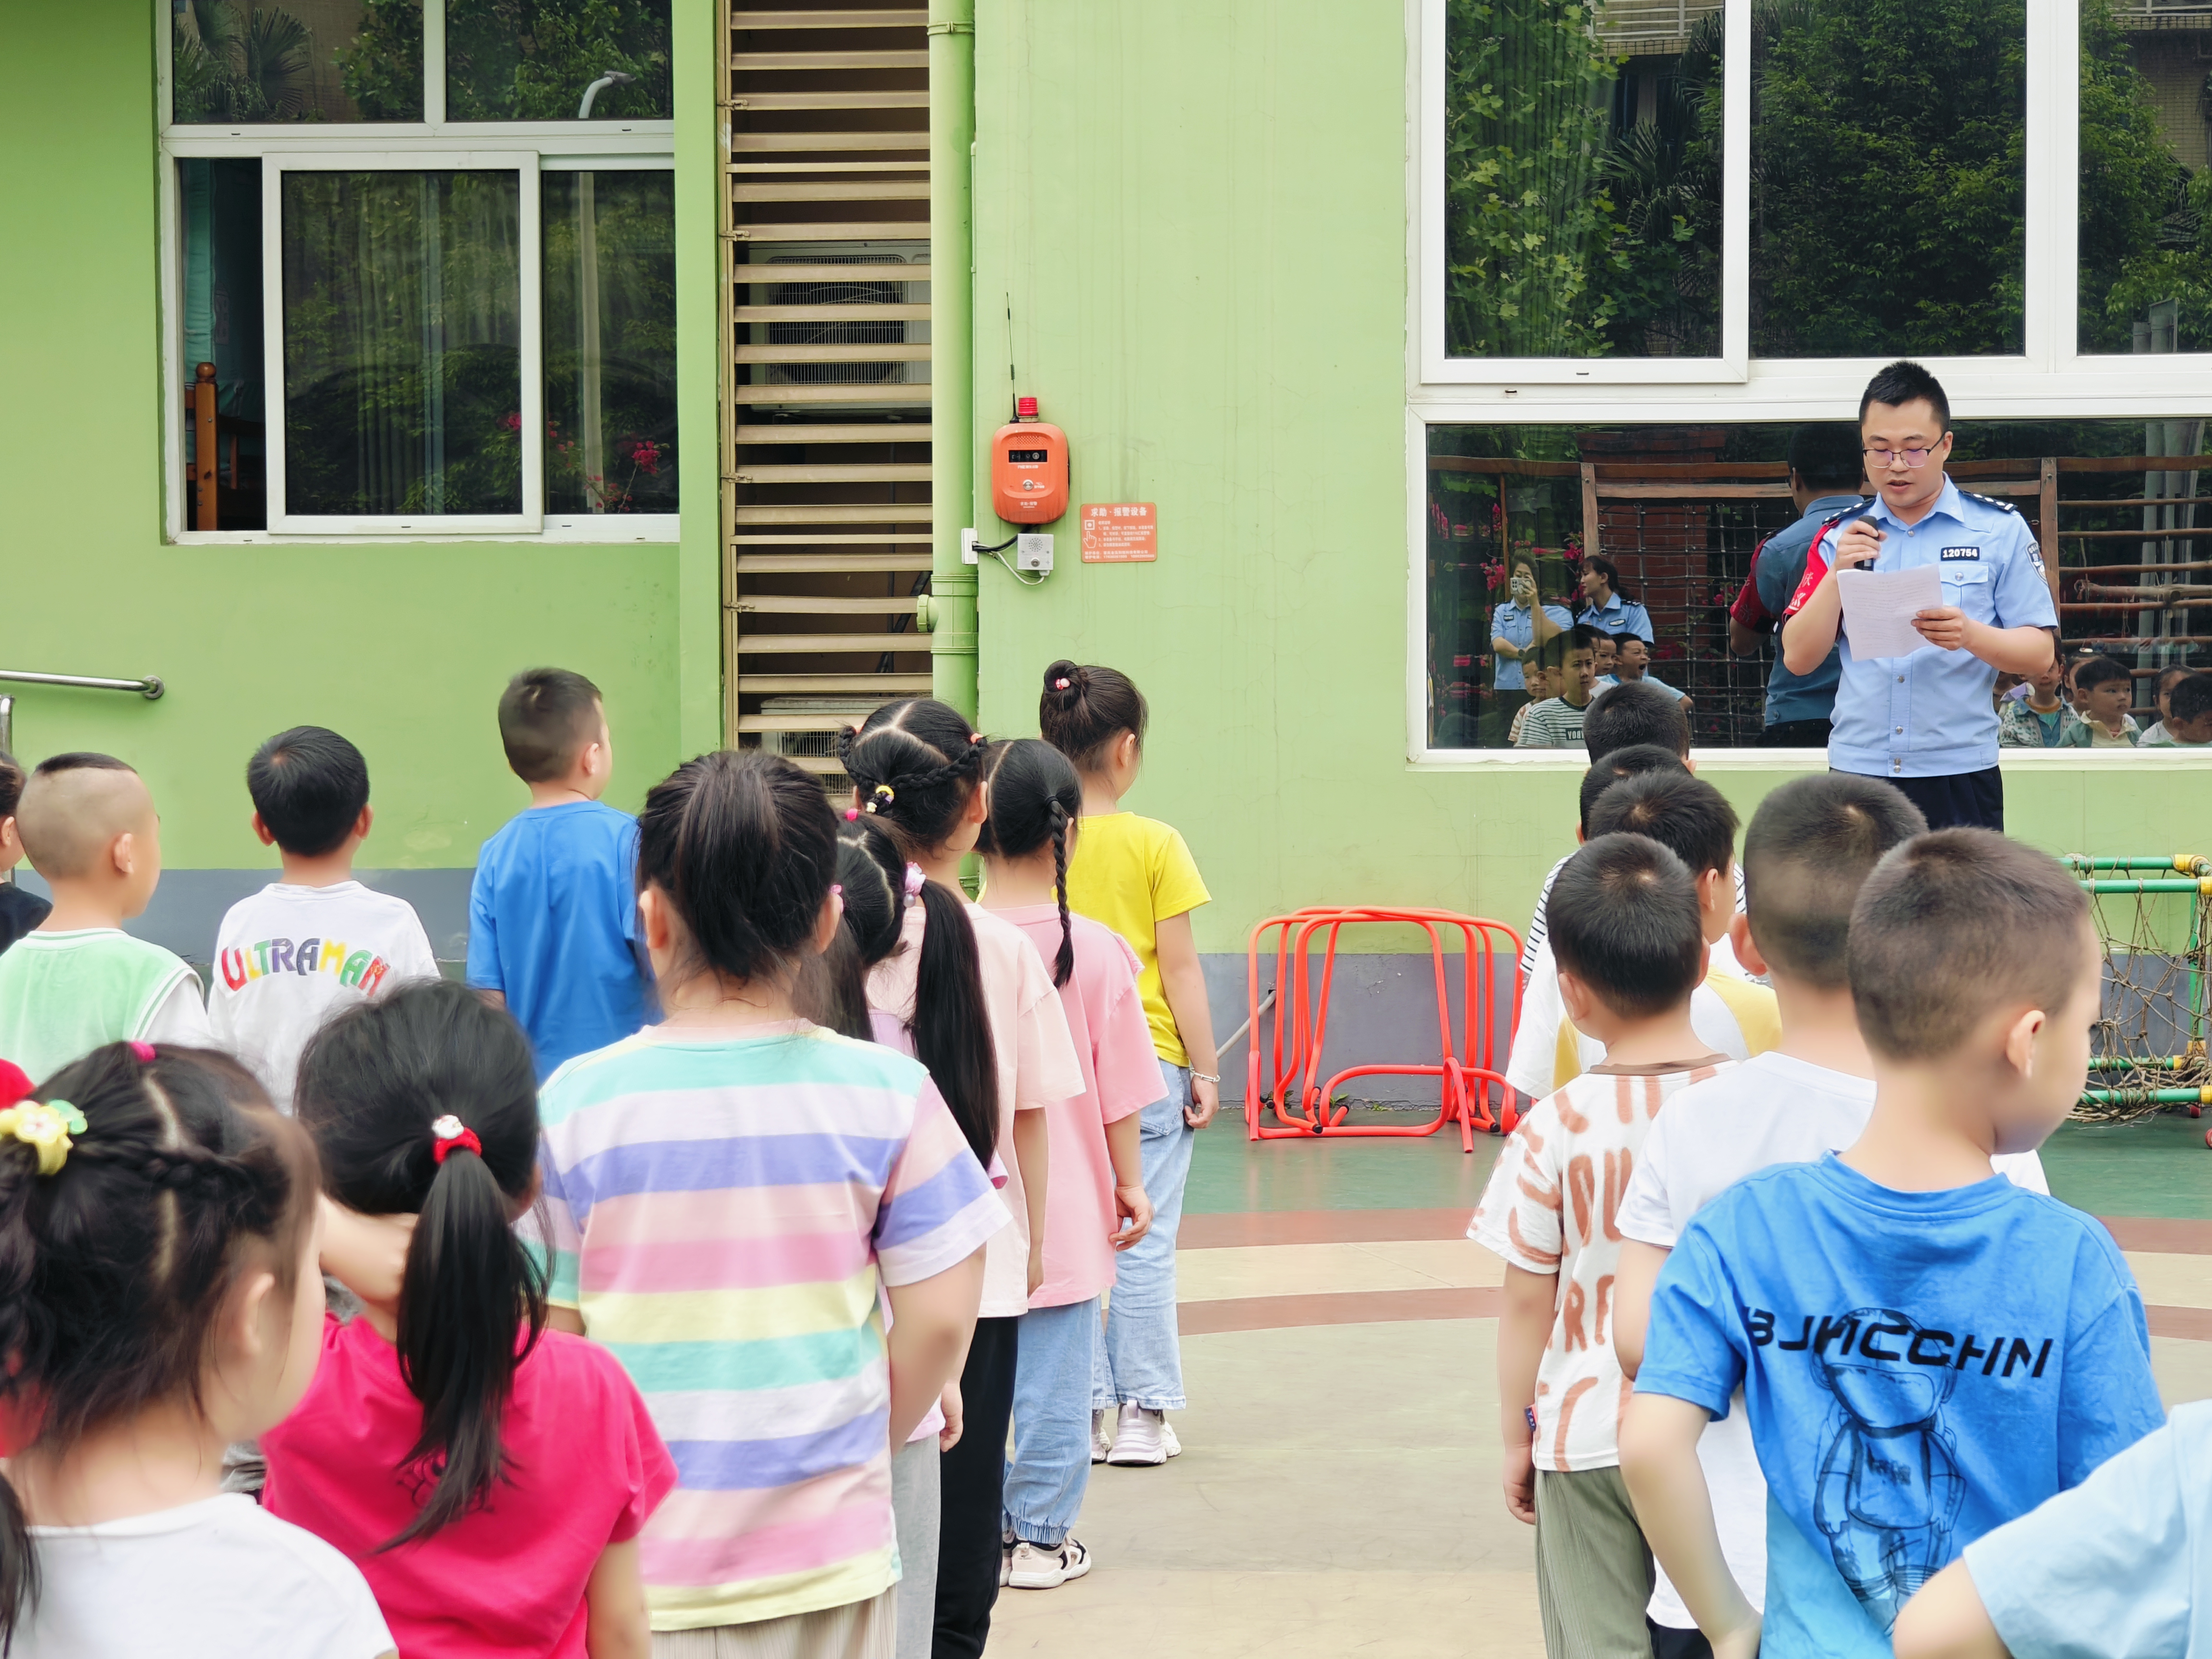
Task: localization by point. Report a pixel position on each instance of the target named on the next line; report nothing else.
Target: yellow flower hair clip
(44, 1127)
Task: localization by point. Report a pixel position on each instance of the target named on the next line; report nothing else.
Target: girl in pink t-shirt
(916, 767)
(1096, 1203)
(490, 1477)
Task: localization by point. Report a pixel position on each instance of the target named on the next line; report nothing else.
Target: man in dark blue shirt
(1824, 468)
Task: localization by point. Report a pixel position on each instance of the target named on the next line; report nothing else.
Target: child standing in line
(1909, 1386)
(1628, 932)
(950, 1033)
(78, 980)
(1810, 847)
(2102, 691)
(19, 911)
(161, 1303)
(722, 1190)
(916, 767)
(2156, 734)
(553, 909)
(1096, 1205)
(318, 940)
(488, 1476)
(1135, 875)
(2187, 725)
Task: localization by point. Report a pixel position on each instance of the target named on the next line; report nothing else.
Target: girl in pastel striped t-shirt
(723, 1191)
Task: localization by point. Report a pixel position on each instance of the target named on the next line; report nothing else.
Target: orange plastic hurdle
(1465, 1070)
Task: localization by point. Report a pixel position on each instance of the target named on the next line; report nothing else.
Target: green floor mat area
(2161, 1167)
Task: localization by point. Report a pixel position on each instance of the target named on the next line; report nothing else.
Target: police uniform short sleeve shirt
(1618, 615)
(1929, 714)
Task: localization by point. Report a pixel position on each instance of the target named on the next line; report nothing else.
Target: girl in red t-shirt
(489, 1476)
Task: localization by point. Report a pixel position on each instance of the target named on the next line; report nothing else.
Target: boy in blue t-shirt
(553, 910)
(1926, 1350)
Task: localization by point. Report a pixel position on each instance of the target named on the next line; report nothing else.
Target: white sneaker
(1032, 1567)
(1138, 1440)
(1100, 1445)
(1005, 1562)
(1167, 1436)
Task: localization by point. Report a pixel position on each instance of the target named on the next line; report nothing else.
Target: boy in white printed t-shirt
(1626, 927)
(78, 981)
(1810, 847)
(302, 948)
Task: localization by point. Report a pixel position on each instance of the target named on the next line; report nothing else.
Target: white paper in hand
(1879, 606)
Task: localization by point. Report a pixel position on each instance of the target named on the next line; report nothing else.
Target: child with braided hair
(1096, 1206)
(159, 1301)
(916, 767)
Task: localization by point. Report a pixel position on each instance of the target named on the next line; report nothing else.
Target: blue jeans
(1050, 1470)
(1141, 1359)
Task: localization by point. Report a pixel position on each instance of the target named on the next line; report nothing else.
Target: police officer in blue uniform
(1824, 470)
(1925, 722)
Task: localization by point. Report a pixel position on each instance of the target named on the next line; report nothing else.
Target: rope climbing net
(2154, 922)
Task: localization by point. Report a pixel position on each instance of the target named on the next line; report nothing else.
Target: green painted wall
(403, 647)
(1197, 210)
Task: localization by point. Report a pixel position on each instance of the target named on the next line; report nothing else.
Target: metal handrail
(149, 688)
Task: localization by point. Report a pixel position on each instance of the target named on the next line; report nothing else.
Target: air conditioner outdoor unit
(873, 283)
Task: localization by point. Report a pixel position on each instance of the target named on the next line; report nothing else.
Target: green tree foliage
(2143, 216)
(382, 70)
(531, 60)
(1665, 174)
(1889, 177)
(1530, 253)
(232, 64)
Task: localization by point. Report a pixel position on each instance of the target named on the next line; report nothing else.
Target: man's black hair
(1902, 382)
(2096, 672)
(1622, 716)
(546, 716)
(1633, 760)
(1685, 814)
(2191, 697)
(1811, 846)
(1623, 919)
(1826, 456)
(308, 785)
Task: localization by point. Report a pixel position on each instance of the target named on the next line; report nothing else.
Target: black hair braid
(1063, 965)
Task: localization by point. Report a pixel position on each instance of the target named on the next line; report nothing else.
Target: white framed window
(420, 261)
(2029, 215)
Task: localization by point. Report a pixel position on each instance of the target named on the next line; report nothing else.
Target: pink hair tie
(1061, 685)
(913, 879)
(852, 814)
(144, 1051)
(837, 888)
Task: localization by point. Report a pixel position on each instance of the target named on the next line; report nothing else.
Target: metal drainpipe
(952, 610)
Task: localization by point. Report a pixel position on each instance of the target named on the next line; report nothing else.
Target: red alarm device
(1028, 468)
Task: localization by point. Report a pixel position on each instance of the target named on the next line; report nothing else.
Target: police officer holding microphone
(1925, 722)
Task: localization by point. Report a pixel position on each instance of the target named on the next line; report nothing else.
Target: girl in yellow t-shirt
(1136, 876)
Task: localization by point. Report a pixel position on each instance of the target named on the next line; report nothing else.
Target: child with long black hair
(722, 1191)
(916, 767)
(951, 1033)
(159, 1301)
(1135, 875)
(488, 1476)
(1095, 1205)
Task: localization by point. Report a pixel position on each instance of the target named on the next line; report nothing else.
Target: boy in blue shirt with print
(553, 910)
(1926, 1350)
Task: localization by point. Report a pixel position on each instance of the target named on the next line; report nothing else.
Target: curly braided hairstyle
(1035, 798)
(913, 765)
(115, 1268)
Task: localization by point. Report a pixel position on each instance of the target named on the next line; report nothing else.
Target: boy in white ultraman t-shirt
(318, 941)
(1627, 932)
(1811, 846)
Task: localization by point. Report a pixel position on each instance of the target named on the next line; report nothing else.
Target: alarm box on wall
(1028, 469)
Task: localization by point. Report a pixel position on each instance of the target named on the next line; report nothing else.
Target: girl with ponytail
(489, 1477)
(725, 1191)
(1095, 1205)
(916, 768)
(159, 1301)
(1135, 875)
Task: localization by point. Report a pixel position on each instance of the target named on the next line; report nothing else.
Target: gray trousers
(914, 1500)
(1593, 1573)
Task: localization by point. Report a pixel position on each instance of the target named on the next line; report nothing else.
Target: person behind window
(1824, 482)
(1925, 720)
(2154, 734)
(1631, 665)
(2102, 691)
(2188, 722)
(1517, 629)
(1557, 722)
(1605, 607)
(1607, 656)
(2040, 719)
(1543, 681)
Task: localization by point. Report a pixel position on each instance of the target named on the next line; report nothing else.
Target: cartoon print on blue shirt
(1889, 1487)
